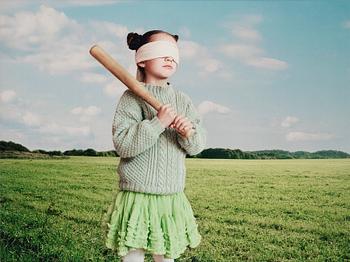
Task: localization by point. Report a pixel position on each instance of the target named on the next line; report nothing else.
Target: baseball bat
(124, 76)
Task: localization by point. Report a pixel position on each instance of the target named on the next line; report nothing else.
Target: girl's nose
(169, 58)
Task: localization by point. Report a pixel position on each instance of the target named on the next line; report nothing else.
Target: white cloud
(246, 33)
(184, 32)
(57, 44)
(93, 78)
(64, 60)
(267, 63)
(114, 89)
(245, 49)
(303, 136)
(346, 24)
(110, 29)
(242, 52)
(23, 116)
(89, 2)
(189, 49)
(16, 4)
(7, 96)
(11, 135)
(31, 119)
(26, 30)
(209, 64)
(19, 115)
(208, 106)
(289, 121)
(201, 57)
(251, 19)
(53, 128)
(87, 113)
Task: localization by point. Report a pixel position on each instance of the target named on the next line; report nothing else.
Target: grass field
(247, 210)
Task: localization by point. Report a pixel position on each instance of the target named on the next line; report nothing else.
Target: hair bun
(134, 40)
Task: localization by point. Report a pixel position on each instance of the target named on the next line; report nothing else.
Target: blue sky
(262, 74)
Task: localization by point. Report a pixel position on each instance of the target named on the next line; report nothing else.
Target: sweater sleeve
(197, 141)
(131, 134)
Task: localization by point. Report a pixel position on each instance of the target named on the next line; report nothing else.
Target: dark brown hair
(135, 41)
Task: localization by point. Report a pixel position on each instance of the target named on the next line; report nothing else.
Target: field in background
(256, 210)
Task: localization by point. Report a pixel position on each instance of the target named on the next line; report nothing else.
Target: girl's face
(160, 67)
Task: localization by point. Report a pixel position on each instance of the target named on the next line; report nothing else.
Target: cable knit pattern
(152, 158)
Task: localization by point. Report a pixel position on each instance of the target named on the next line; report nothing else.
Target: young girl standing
(151, 212)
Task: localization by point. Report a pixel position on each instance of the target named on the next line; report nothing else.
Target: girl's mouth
(167, 66)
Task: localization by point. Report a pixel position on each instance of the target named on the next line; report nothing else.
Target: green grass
(250, 210)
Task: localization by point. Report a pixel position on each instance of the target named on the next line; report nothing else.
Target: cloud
(251, 19)
(89, 2)
(7, 96)
(246, 33)
(57, 44)
(27, 30)
(240, 51)
(53, 128)
(87, 113)
(89, 77)
(346, 24)
(114, 89)
(245, 47)
(201, 57)
(267, 63)
(303, 136)
(20, 115)
(289, 121)
(208, 106)
(11, 113)
(31, 119)
(66, 58)
(184, 32)
(16, 4)
(109, 29)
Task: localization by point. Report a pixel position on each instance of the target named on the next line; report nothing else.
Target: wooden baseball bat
(124, 76)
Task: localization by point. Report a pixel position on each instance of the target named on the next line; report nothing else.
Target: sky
(262, 74)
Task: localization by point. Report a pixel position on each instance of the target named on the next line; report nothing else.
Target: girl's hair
(135, 41)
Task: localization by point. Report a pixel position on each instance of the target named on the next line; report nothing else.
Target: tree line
(214, 153)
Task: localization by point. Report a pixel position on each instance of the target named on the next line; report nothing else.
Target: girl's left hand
(182, 125)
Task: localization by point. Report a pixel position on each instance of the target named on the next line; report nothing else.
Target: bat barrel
(123, 75)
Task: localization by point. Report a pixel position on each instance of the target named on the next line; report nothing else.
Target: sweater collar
(158, 89)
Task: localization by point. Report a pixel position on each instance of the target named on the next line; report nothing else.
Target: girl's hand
(182, 126)
(166, 114)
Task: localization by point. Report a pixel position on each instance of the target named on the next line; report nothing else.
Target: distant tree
(90, 152)
(7, 146)
(55, 153)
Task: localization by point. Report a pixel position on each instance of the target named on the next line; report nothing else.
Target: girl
(151, 212)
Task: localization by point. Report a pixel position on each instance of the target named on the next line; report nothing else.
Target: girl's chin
(165, 75)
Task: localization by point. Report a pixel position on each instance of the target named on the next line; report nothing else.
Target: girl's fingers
(184, 127)
(177, 119)
(183, 123)
(179, 124)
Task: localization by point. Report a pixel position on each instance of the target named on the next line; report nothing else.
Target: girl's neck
(155, 81)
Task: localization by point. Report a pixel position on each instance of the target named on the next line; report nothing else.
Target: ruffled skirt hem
(160, 224)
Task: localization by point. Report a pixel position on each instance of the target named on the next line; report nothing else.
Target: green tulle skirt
(160, 224)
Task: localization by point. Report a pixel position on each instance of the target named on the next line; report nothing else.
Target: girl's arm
(132, 135)
(197, 141)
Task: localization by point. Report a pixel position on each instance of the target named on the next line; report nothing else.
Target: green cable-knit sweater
(152, 158)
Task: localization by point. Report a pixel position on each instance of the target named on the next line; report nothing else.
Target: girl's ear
(141, 64)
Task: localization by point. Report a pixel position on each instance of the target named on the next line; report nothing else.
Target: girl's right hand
(166, 114)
